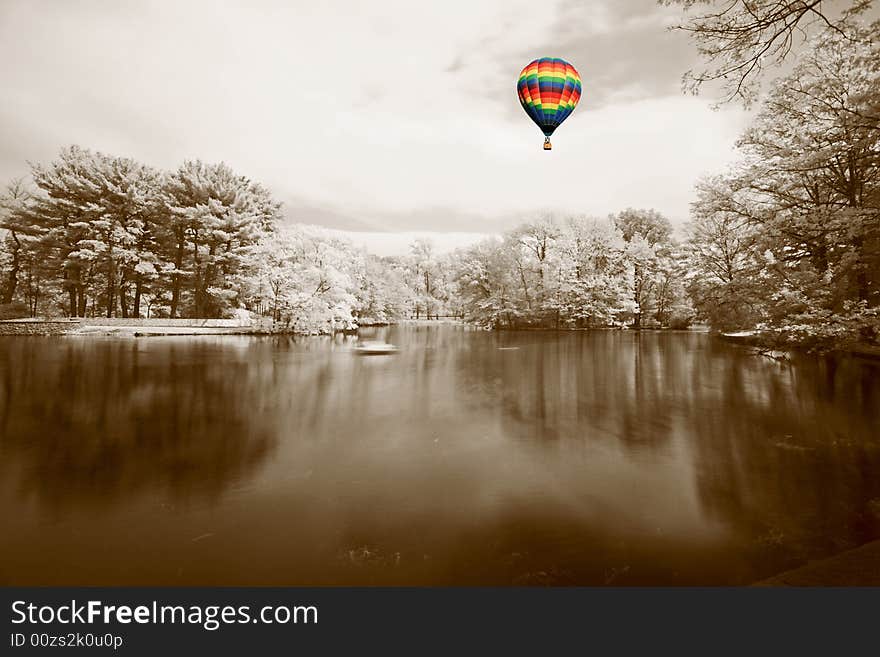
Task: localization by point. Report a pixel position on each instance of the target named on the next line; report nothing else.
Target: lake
(469, 458)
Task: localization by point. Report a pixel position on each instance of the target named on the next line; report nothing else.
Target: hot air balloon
(549, 89)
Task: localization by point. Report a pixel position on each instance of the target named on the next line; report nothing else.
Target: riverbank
(129, 327)
(696, 328)
(759, 341)
(123, 327)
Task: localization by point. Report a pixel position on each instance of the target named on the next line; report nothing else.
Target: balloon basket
(547, 145)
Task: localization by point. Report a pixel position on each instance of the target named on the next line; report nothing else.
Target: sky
(384, 116)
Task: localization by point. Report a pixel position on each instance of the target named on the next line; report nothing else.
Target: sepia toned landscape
(269, 323)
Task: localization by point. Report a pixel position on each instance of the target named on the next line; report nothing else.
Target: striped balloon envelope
(549, 89)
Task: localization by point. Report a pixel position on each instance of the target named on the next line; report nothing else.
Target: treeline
(310, 280)
(788, 240)
(576, 273)
(96, 234)
(106, 235)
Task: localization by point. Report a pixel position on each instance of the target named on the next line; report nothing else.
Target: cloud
(388, 115)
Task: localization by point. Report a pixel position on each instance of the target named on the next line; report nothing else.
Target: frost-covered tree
(95, 215)
(724, 261)
(595, 273)
(16, 237)
(551, 273)
(100, 233)
(789, 239)
(312, 281)
(218, 219)
(485, 277)
(382, 293)
(813, 164)
(647, 234)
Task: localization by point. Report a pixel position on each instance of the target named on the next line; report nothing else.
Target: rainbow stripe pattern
(549, 89)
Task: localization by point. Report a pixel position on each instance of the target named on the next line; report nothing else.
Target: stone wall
(207, 323)
(63, 325)
(38, 326)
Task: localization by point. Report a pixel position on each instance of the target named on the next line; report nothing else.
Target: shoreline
(39, 327)
(104, 327)
(859, 566)
(754, 340)
(165, 327)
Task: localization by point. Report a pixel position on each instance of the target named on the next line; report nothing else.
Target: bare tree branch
(741, 38)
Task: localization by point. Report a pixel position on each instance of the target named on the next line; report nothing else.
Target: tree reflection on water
(99, 422)
(532, 458)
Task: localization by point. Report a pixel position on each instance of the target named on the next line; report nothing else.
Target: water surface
(606, 457)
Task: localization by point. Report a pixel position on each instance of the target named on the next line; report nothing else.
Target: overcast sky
(380, 115)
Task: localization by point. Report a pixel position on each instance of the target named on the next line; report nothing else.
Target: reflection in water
(598, 457)
(96, 423)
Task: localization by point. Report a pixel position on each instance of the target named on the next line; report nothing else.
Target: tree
(483, 276)
(788, 242)
(814, 165)
(650, 225)
(107, 231)
(425, 271)
(382, 293)
(217, 220)
(596, 273)
(738, 39)
(533, 246)
(318, 283)
(13, 201)
(648, 236)
(94, 214)
(721, 246)
(673, 308)
(555, 274)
